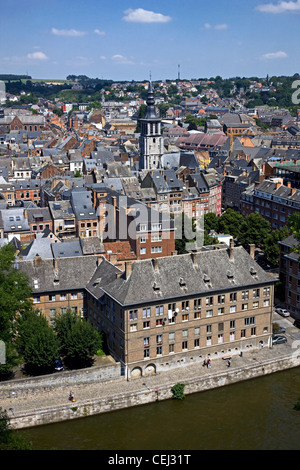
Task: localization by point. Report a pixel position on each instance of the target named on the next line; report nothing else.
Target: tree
(38, 343)
(211, 222)
(253, 230)
(271, 247)
(230, 222)
(79, 340)
(10, 439)
(15, 298)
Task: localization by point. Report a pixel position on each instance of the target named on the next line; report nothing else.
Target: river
(253, 415)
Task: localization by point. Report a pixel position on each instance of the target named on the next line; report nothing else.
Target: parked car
(278, 339)
(58, 364)
(283, 312)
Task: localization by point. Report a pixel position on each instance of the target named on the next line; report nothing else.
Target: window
(221, 311)
(232, 336)
(184, 333)
(208, 341)
(184, 345)
(146, 341)
(221, 299)
(146, 312)
(266, 291)
(197, 331)
(266, 303)
(185, 317)
(185, 305)
(232, 324)
(221, 326)
(146, 324)
(143, 239)
(52, 298)
(156, 249)
(255, 293)
(143, 251)
(36, 299)
(233, 297)
(245, 295)
(156, 238)
(172, 336)
(249, 321)
(74, 296)
(197, 343)
(159, 350)
(159, 339)
(255, 304)
(132, 315)
(172, 307)
(197, 314)
(208, 328)
(197, 304)
(209, 313)
(159, 322)
(63, 297)
(253, 331)
(244, 306)
(159, 310)
(133, 327)
(209, 300)
(232, 308)
(220, 338)
(243, 333)
(146, 352)
(171, 348)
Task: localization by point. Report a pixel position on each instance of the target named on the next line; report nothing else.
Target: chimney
(231, 247)
(293, 191)
(194, 257)
(113, 258)
(155, 264)
(252, 250)
(55, 264)
(37, 260)
(128, 269)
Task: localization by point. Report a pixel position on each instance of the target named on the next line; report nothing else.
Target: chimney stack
(231, 247)
(128, 269)
(155, 264)
(252, 250)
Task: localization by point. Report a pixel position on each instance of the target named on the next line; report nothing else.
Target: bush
(178, 391)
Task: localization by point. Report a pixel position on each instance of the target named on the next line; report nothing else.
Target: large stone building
(173, 311)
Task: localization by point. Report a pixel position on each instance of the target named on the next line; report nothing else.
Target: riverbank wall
(137, 392)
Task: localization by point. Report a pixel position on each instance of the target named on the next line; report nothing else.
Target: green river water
(253, 415)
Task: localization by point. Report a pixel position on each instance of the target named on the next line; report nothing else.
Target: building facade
(169, 312)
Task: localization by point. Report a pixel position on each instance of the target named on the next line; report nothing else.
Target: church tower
(151, 140)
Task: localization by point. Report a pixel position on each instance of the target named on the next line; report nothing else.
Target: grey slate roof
(72, 273)
(178, 276)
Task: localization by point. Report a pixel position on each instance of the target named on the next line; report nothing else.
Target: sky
(131, 39)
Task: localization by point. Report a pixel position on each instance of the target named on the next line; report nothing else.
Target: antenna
(178, 71)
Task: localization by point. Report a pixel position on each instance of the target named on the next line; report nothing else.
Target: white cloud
(67, 32)
(120, 59)
(275, 55)
(143, 16)
(217, 26)
(281, 7)
(37, 56)
(103, 57)
(221, 26)
(100, 33)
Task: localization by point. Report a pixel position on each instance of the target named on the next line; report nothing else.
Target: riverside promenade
(52, 405)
